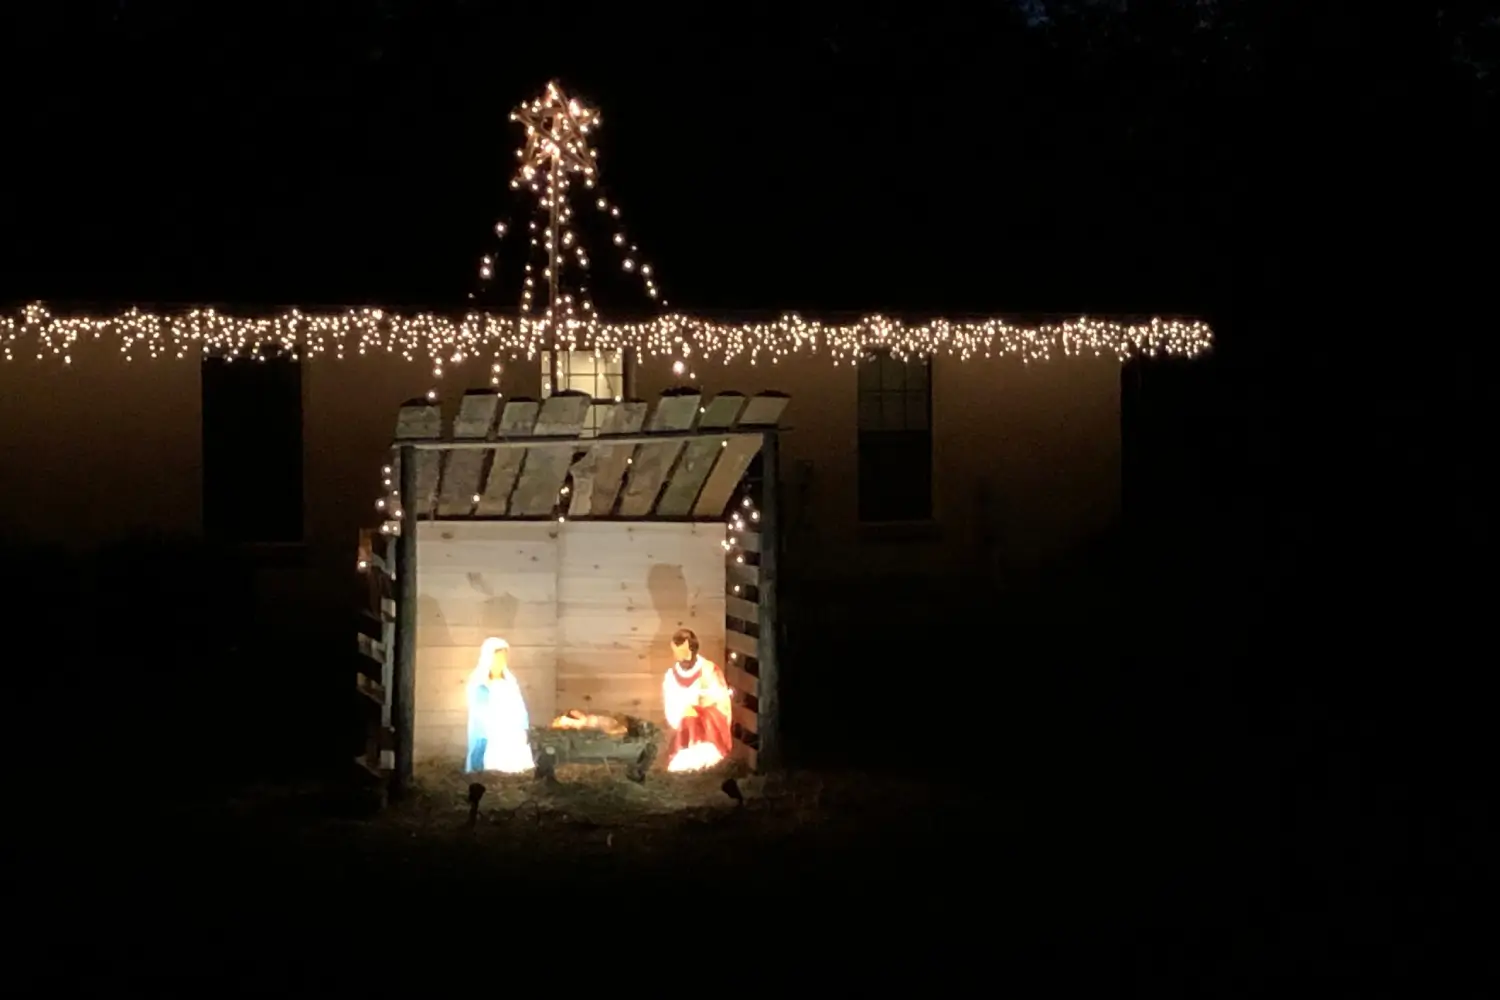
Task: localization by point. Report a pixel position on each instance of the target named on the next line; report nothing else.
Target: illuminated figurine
(499, 725)
(696, 701)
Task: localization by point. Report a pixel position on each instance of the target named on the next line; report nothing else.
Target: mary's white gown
(498, 716)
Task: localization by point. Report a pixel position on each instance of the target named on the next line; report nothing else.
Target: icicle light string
(443, 341)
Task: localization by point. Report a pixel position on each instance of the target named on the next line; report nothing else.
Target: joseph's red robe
(685, 690)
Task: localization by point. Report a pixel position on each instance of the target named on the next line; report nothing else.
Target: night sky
(999, 158)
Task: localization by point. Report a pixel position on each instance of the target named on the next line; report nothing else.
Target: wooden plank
(665, 567)
(745, 718)
(517, 421)
(688, 476)
(744, 645)
(748, 540)
(462, 469)
(444, 669)
(721, 412)
(744, 752)
(388, 670)
(591, 591)
(455, 621)
(638, 696)
(369, 689)
(722, 483)
(745, 611)
(675, 411)
(582, 440)
(563, 414)
(623, 589)
(640, 631)
(742, 680)
(371, 648)
(764, 409)
(487, 578)
(501, 548)
(768, 659)
(419, 418)
(546, 467)
(598, 476)
(574, 746)
(403, 684)
(612, 660)
(742, 574)
(503, 603)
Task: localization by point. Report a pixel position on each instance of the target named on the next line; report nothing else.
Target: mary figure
(499, 725)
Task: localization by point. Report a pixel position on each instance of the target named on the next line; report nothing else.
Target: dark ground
(1116, 814)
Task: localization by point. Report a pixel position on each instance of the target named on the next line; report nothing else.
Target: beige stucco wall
(103, 446)
(91, 450)
(1042, 440)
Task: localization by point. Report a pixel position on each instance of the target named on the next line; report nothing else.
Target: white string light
(556, 150)
(443, 340)
(738, 520)
(554, 154)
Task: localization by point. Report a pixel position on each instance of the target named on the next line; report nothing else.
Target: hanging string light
(135, 334)
(554, 155)
(742, 517)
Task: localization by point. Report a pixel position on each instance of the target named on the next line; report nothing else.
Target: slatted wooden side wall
(742, 578)
(742, 640)
(375, 640)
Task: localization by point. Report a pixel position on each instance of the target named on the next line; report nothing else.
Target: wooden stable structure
(583, 552)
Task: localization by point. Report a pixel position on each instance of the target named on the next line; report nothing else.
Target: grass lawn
(834, 867)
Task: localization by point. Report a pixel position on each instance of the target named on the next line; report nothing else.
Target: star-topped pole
(555, 154)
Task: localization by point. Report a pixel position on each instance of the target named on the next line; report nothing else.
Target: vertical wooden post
(768, 645)
(403, 714)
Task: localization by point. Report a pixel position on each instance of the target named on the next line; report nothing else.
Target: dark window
(252, 448)
(895, 439)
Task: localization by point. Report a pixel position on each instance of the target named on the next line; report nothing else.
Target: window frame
(916, 440)
(560, 377)
(215, 449)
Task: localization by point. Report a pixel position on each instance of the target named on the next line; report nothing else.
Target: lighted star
(557, 128)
